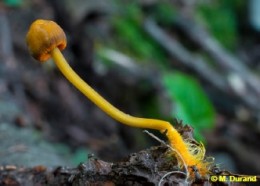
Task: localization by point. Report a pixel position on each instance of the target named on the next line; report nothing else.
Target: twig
(168, 173)
(221, 56)
(128, 67)
(177, 51)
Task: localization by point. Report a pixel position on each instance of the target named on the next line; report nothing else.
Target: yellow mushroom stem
(103, 104)
(46, 38)
(190, 155)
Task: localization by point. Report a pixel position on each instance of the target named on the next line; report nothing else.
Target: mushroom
(46, 39)
(43, 37)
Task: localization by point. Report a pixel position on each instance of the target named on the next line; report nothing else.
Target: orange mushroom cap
(42, 37)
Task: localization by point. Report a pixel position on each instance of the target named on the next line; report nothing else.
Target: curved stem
(172, 134)
(103, 104)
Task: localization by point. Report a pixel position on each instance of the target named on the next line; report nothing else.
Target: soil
(147, 167)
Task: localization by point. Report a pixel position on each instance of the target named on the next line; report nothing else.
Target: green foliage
(191, 103)
(220, 18)
(164, 13)
(13, 3)
(77, 157)
(132, 39)
(81, 155)
(62, 150)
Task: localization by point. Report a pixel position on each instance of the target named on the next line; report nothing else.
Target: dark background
(125, 49)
